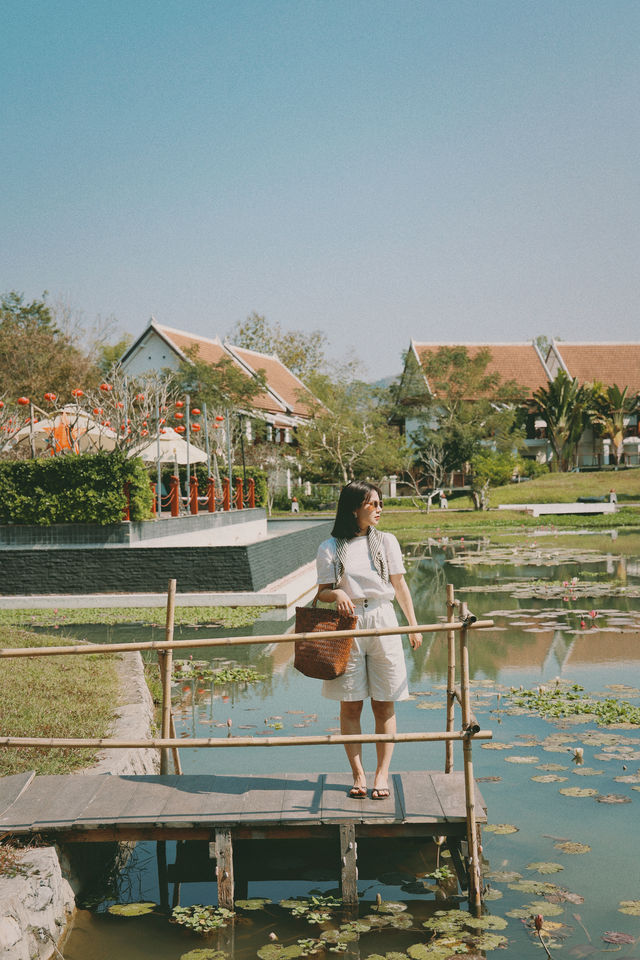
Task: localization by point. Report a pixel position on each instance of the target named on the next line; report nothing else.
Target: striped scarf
(376, 552)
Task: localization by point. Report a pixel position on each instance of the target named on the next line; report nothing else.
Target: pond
(563, 793)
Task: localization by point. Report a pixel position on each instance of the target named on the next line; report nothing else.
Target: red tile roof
(281, 380)
(607, 362)
(212, 351)
(512, 361)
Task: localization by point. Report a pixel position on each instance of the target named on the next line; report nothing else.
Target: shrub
(73, 489)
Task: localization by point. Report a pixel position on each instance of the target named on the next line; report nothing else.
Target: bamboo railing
(169, 744)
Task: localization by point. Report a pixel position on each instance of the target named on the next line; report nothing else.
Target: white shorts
(376, 666)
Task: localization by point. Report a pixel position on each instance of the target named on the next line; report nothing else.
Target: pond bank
(38, 903)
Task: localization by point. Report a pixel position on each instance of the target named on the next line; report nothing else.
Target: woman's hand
(415, 639)
(344, 603)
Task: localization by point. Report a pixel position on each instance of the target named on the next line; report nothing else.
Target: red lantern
(178, 416)
(162, 430)
(219, 418)
(179, 403)
(50, 397)
(216, 426)
(144, 423)
(139, 397)
(98, 411)
(106, 423)
(144, 433)
(163, 420)
(77, 393)
(1, 404)
(23, 401)
(106, 387)
(195, 427)
(195, 412)
(180, 429)
(120, 405)
(123, 428)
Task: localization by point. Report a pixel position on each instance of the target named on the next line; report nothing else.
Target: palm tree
(611, 406)
(566, 406)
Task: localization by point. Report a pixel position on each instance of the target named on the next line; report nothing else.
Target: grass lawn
(58, 696)
(147, 616)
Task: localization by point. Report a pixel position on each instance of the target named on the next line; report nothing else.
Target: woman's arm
(403, 597)
(343, 602)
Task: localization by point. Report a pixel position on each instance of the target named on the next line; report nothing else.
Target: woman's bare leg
(385, 719)
(350, 711)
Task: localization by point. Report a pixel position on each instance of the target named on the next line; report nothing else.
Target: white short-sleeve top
(360, 579)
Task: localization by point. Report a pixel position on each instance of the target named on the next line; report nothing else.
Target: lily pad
(500, 828)
(629, 778)
(578, 791)
(543, 907)
(614, 936)
(493, 894)
(503, 876)
(631, 907)
(276, 951)
(612, 798)
(488, 922)
(489, 941)
(552, 767)
(401, 921)
(389, 906)
(549, 778)
(569, 846)
(255, 904)
(516, 759)
(543, 867)
(496, 745)
(204, 953)
(587, 772)
(131, 909)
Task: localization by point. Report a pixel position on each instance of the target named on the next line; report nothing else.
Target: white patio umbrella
(173, 449)
(70, 429)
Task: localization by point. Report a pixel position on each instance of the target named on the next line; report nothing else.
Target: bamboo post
(177, 766)
(349, 864)
(475, 883)
(166, 664)
(451, 677)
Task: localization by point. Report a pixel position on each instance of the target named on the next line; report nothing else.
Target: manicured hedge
(73, 489)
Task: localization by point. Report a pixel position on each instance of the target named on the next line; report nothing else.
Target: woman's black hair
(351, 499)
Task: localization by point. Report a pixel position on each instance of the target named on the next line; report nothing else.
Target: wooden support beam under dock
(221, 809)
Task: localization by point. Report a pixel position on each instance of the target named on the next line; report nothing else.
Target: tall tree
(566, 406)
(463, 410)
(349, 436)
(303, 353)
(611, 407)
(36, 356)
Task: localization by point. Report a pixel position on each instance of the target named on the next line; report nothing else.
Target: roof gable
(286, 386)
(608, 363)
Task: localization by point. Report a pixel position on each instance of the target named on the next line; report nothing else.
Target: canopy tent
(71, 429)
(173, 449)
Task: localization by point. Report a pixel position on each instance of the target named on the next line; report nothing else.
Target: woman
(361, 570)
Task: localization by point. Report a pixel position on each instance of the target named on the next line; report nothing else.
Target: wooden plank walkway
(223, 809)
(102, 807)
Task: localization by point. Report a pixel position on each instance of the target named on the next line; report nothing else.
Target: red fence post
(251, 494)
(174, 496)
(226, 494)
(126, 513)
(154, 504)
(193, 495)
(239, 494)
(211, 495)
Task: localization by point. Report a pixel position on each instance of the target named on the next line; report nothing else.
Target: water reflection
(537, 636)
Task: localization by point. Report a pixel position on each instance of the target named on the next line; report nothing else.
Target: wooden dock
(220, 809)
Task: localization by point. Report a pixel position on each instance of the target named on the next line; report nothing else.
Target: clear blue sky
(444, 169)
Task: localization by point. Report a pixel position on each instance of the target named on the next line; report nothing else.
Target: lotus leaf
(496, 745)
(612, 798)
(431, 705)
(394, 955)
(500, 828)
(564, 896)
(401, 921)
(204, 953)
(358, 925)
(488, 922)
(519, 913)
(613, 936)
(255, 904)
(578, 791)
(489, 941)
(389, 906)
(340, 936)
(632, 907)
(552, 767)
(493, 894)
(549, 778)
(544, 867)
(569, 846)
(503, 876)
(540, 888)
(376, 920)
(587, 772)
(276, 951)
(131, 909)
(545, 908)
(516, 759)
(629, 778)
